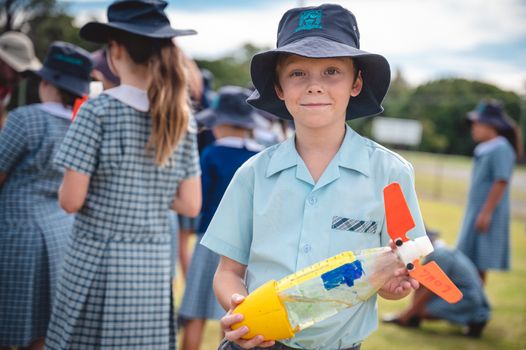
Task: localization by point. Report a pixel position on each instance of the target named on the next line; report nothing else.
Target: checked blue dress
(490, 250)
(115, 290)
(33, 228)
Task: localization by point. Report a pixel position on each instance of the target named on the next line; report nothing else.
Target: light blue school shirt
(276, 220)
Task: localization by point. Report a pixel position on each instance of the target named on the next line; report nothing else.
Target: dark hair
(514, 136)
(168, 93)
(67, 98)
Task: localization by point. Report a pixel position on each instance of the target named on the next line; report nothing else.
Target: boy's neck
(317, 147)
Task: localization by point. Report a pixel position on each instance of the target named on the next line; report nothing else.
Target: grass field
(506, 291)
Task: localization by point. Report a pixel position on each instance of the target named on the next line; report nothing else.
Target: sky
(426, 40)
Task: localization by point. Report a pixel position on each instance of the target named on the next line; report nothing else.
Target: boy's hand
(235, 335)
(398, 286)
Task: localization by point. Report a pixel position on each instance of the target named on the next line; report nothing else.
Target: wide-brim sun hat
(18, 52)
(141, 17)
(68, 67)
(230, 107)
(491, 112)
(320, 32)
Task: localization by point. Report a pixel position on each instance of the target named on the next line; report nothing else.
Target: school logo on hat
(310, 19)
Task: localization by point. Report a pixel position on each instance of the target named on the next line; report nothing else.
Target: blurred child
(33, 227)
(231, 120)
(318, 193)
(101, 70)
(17, 55)
(472, 311)
(130, 156)
(484, 236)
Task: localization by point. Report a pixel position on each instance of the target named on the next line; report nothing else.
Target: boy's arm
(230, 290)
(229, 280)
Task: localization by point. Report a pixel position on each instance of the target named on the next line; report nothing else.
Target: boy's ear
(279, 91)
(357, 85)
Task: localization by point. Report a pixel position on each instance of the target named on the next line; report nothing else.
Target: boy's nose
(315, 88)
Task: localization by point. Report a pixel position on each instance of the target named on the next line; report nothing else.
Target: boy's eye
(297, 74)
(332, 71)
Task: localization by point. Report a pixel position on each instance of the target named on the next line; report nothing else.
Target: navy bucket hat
(68, 67)
(320, 32)
(491, 112)
(230, 107)
(141, 17)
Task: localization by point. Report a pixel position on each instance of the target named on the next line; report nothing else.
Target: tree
(15, 14)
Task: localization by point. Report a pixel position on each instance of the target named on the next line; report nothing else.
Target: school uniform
(219, 162)
(474, 306)
(33, 228)
(276, 220)
(115, 288)
(494, 160)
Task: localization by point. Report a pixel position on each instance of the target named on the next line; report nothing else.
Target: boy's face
(482, 132)
(316, 91)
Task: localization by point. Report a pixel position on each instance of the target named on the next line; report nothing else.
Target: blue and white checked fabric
(33, 228)
(115, 288)
(346, 224)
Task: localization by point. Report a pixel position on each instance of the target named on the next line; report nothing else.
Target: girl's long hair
(167, 93)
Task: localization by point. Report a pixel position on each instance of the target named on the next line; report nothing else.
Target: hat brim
(375, 70)
(501, 123)
(18, 66)
(69, 83)
(211, 117)
(98, 32)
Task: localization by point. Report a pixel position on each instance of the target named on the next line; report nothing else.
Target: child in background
(101, 70)
(130, 157)
(17, 55)
(472, 311)
(33, 228)
(484, 236)
(318, 193)
(231, 120)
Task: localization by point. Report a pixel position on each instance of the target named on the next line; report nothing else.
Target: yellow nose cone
(264, 314)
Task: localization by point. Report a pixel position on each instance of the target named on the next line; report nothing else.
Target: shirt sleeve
(230, 231)
(191, 163)
(502, 163)
(405, 177)
(13, 141)
(80, 149)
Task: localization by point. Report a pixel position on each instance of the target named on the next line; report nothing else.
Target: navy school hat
(320, 32)
(68, 67)
(141, 17)
(230, 107)
(491, 112)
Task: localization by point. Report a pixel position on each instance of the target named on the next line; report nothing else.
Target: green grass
(506, 291)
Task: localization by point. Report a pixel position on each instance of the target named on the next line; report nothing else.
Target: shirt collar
(131, 96)
(488, 146)
(56, 109)
(238, 142)
(353, 154)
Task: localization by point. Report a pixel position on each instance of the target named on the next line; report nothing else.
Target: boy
(318, 193)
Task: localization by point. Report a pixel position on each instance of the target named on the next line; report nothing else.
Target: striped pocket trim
(346, 224)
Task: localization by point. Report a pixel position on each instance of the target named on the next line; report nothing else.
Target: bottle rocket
(279, 309)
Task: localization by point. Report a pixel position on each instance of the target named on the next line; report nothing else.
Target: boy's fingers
(267, 344)
(236, 299)
(227, 321)
(236, 334)
(251, 343)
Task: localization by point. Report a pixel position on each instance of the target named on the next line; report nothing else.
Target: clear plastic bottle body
(321, 297)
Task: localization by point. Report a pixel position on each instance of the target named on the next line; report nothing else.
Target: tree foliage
(15, 14)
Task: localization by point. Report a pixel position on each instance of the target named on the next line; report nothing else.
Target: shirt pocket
(354, 233)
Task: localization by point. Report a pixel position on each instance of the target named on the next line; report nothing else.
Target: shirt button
(307, 248)
(312, 200)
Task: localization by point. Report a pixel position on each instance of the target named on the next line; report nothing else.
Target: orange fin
(76, 106)
(433, 278)
(397, 214)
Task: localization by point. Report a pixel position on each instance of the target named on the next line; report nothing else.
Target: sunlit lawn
(506, 291)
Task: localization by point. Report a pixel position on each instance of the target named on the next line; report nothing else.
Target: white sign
(397, 131)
